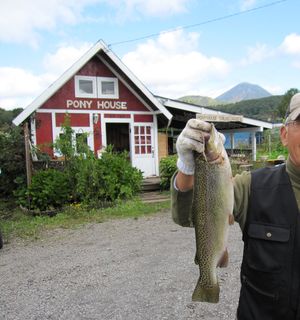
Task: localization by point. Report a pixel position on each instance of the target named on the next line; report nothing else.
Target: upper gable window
(96, 87)
(108, 88)
(85, 87)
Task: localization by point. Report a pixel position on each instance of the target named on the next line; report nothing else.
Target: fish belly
(212, 205)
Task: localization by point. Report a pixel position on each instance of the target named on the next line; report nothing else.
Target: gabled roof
(99, 48)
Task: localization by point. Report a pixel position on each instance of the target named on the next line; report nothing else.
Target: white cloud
(247, 4)
(173, 66)
(64, 57)
(19, 87)
(257, 54)
(22, 20)
(130, 8)
(291, 44)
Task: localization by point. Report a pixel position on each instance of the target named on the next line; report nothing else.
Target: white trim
(54, 128)
(113, 120)
(78, 93)
(137, 82)
(125, 83)
(66, 76)
(106, 111)
(155, 140)
(33, 130)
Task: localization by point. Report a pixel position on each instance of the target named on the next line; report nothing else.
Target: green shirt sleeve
(181, 202)
(241, 184)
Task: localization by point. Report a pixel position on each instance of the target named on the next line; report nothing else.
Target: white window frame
(76, 130)
(79, 94)
(116, 87)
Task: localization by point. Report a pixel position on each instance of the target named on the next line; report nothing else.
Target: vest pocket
(269, 295)
(267, 247)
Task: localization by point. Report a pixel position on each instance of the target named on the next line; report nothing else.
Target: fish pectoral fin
(231, 219)
(206, 294)
(224, 260)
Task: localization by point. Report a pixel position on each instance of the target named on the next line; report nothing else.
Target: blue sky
(39, 40)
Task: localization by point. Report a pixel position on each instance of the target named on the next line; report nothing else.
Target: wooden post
(27, 154)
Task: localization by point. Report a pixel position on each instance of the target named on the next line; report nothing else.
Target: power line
(199, 24)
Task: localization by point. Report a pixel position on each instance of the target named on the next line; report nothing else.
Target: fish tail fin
(224, 260)
(206, 294)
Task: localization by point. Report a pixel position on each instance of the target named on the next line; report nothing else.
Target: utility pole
(27, 154)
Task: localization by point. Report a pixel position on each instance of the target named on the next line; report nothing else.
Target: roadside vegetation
(85, 189)
(15, 223)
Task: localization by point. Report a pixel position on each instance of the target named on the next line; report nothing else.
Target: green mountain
(200, 100)
(261, 109)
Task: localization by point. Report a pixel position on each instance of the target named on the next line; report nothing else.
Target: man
(266, 206)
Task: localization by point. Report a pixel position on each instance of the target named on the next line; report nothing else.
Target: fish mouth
(214, 158)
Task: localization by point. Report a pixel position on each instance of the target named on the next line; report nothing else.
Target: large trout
(212, 211)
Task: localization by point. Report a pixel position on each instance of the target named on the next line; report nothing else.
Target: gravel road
(120, 269)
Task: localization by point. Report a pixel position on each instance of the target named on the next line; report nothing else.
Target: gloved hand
(192, 138)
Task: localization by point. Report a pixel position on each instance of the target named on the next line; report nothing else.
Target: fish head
(214, 148)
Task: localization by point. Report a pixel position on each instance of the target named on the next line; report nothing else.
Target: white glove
(192, 138)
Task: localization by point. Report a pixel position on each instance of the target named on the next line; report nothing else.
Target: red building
(105, 100)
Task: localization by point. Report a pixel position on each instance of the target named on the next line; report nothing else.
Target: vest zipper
(262, 292)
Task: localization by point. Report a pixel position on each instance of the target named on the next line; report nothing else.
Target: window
(108, 88)
(96, 87)
(81, 142)
(85, 87)
(142, 140)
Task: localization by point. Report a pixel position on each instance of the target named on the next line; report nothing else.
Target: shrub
(167, 169)
(107, 179)
(85, 178)
(120, 180)
(49, 189)
(12, 160)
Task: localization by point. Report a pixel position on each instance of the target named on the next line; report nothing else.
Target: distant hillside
(261, 109)
(201, 100)
(243, 91)
(7, 116)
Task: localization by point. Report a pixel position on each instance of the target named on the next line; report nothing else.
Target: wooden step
(151, 184)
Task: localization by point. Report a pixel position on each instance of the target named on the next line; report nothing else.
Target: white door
(144, 149)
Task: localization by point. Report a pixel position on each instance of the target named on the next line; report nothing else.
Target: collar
(293, 172)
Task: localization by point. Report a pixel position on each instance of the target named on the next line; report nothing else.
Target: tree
(12, 160)
(283, 105)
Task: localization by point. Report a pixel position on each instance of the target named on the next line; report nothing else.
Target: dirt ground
(121, 269)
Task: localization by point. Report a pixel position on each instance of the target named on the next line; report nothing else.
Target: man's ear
(284, 136)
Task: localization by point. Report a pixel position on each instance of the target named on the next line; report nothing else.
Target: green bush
(12, 160)
(107, 179)
(49, 189)
(167, 169)
(85, 179)
(120, 180)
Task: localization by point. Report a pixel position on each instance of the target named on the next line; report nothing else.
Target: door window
(142, 140)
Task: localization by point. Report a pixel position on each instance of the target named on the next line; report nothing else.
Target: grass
(17, 224)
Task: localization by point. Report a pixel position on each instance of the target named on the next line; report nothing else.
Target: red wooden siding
(97, 135)
(76, 119)
(44, 133)
(93, 68)
(117, 116)
(143, 118)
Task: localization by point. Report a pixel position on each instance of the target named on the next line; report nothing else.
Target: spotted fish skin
(212, 207)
